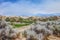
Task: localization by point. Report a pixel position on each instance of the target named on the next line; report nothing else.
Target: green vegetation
(27, 21)
(19, 25)
(7, 19)
(22, 21)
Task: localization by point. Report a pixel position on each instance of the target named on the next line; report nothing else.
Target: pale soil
(51, 37)
(21, 39)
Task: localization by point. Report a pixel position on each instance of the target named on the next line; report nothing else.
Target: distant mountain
(52, 14)
(31, 14)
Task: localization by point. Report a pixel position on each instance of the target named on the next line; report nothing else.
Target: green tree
(7, 19)
(12, 20)
(20, 19)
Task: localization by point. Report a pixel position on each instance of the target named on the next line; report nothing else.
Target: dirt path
(51, 37)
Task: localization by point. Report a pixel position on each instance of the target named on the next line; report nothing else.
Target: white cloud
(8, 8)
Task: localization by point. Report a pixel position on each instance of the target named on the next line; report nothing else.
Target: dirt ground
(51, 37)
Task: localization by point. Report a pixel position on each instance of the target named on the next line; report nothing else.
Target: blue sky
(29, 7)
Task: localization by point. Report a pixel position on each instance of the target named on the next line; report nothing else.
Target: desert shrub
(6, 32)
